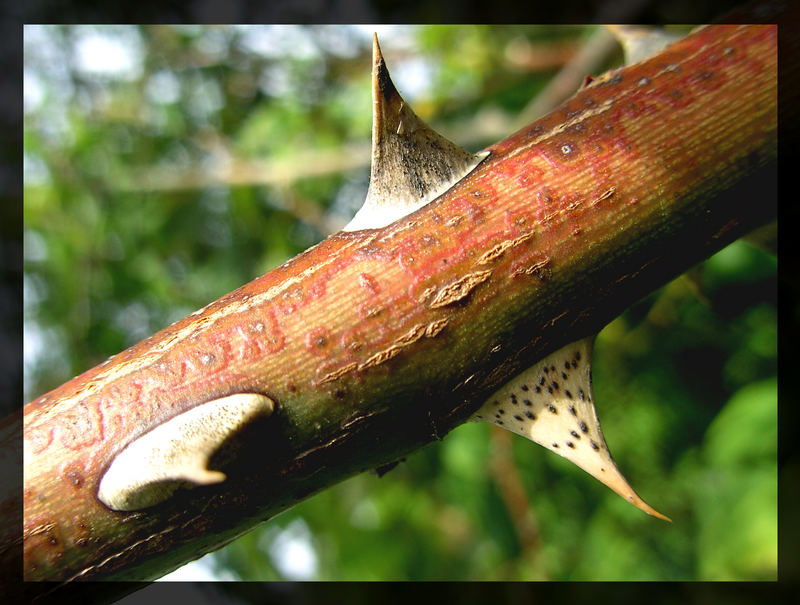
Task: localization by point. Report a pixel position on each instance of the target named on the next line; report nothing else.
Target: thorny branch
(550, 266)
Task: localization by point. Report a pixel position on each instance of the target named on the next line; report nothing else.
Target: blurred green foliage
(118, 244)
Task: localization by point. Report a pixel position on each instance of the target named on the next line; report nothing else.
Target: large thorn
(177, 452)
(552, 404)
(411, 163)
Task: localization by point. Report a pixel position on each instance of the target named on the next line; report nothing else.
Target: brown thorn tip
(622, 488)
(382, 86)
(376, 48)
(652, 512)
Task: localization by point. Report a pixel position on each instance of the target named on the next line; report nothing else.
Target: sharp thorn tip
(376, 49)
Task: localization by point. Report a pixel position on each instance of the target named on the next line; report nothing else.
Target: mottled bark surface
(374, 343)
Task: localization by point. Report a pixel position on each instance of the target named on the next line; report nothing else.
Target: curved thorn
(552, 404)
(153, 466)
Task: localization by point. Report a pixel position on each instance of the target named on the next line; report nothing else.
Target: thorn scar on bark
(459, 289)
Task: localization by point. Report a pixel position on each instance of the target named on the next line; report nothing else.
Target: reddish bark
(373, 343)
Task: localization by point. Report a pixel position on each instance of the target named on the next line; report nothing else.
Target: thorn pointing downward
(552, 404)
(411, 163)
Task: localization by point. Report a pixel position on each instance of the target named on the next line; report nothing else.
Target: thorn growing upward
(411, 163)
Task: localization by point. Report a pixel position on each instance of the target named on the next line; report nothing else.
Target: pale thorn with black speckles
(552, 404)
(412, 164)
(150, 468)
